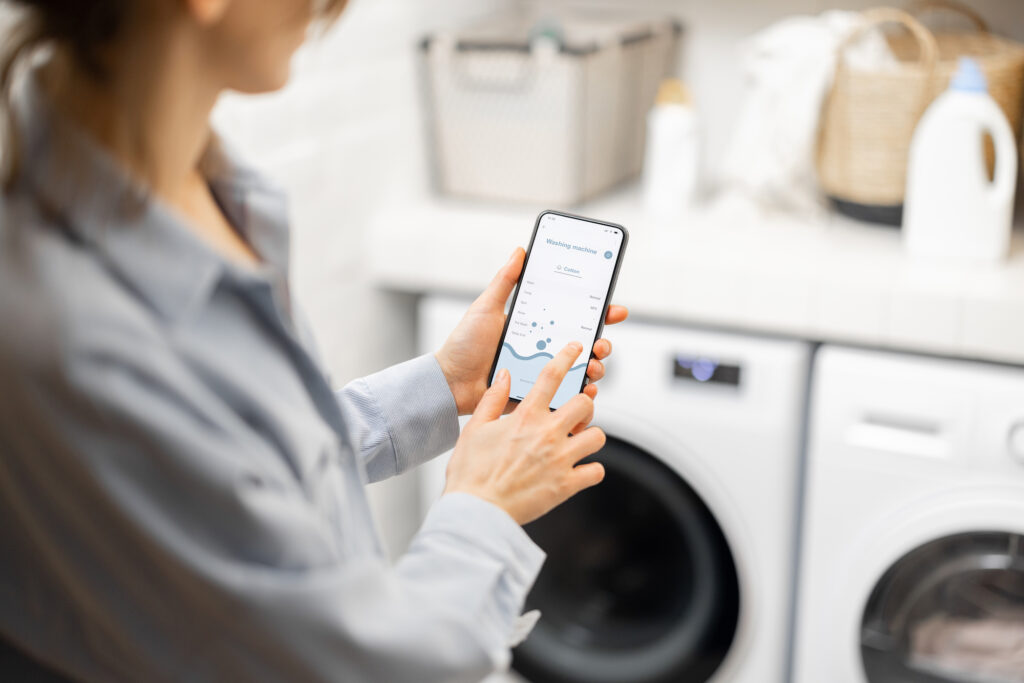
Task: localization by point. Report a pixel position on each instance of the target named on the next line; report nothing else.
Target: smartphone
(562, 295)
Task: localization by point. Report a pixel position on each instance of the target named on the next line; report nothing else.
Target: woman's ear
(206, 12)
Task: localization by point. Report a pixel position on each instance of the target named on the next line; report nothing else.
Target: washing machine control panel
(1015, 441)
(705, 369)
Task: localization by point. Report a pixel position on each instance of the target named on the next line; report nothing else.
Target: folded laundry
(988, 650)
(787, 69)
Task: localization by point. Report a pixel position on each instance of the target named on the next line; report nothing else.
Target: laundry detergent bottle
(671, 156)
(953, 211)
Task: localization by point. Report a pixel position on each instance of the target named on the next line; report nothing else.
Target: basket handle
(920, 7)
(929, 49)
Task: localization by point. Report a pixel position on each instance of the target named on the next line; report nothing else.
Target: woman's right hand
(526, 463)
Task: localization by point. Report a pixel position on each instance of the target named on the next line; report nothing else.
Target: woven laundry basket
(869, 118)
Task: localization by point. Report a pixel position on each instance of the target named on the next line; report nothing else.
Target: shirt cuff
(418, 408)
(491, 530)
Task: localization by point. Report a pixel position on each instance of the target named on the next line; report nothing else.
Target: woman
(181, 492)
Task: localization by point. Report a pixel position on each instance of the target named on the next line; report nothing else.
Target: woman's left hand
(467, 354)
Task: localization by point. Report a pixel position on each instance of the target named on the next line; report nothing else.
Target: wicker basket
(869, 117)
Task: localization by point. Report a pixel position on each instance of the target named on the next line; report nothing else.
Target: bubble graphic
(533, 324)
(549, 340)
(607, 254)
(541, 344)
(552, 322)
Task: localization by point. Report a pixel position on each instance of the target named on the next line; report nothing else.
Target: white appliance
(912, 558)
(679, 565)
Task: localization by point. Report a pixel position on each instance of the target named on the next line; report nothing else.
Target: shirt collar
(140, 238)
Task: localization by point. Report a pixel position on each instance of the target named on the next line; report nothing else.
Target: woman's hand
(526, 463)
(467, 355)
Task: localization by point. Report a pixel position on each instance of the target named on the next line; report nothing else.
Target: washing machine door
(639, 583)
(950, 611)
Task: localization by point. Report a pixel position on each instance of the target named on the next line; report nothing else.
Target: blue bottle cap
(968, 77)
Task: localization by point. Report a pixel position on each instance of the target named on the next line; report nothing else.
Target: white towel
(788, 68)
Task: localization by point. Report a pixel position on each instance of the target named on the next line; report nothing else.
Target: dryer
(913, 550)
(679, 565)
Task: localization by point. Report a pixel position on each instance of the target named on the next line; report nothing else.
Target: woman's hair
(81, 28)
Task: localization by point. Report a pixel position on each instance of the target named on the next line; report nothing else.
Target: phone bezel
(522, 274)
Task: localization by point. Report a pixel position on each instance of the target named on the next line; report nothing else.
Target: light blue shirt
(181, 492)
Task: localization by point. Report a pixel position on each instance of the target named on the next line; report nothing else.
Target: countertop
(731, 266)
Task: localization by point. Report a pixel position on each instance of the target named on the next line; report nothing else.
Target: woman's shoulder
(57, 300)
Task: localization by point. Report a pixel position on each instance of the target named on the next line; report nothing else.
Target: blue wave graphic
(537, 355)
(524, 371)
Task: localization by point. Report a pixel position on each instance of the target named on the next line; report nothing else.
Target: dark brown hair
(82, 28)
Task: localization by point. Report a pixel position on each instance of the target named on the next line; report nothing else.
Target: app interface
(560, 300)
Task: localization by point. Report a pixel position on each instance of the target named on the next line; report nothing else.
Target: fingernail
(577, 347)
(502, 374)
(514, 252)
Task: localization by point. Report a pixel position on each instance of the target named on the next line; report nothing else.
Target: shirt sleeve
(191, 556)
(400, 417)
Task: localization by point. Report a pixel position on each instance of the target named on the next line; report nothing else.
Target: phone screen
(561, 297)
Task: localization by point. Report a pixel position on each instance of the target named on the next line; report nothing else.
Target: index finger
(551, 376)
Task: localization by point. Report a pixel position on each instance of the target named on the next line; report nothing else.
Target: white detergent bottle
(953, 213)
(671, 156)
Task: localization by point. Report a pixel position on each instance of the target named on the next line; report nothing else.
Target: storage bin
(550, 110)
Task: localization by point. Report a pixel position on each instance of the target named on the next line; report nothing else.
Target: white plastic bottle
(672, 154)
(953, 212)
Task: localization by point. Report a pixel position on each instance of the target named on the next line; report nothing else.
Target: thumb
(492, 405)
(498, 290)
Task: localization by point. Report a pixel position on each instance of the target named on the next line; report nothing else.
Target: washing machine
(913, 562)
(678, 567)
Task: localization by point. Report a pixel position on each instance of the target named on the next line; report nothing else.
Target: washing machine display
(639, 584)
(700, 369)
(951, 610)
(913, 555)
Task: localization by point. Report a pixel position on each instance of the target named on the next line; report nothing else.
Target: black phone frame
(522, 274)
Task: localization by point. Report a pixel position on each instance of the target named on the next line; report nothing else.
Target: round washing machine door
(950, 611)
(639, 583)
